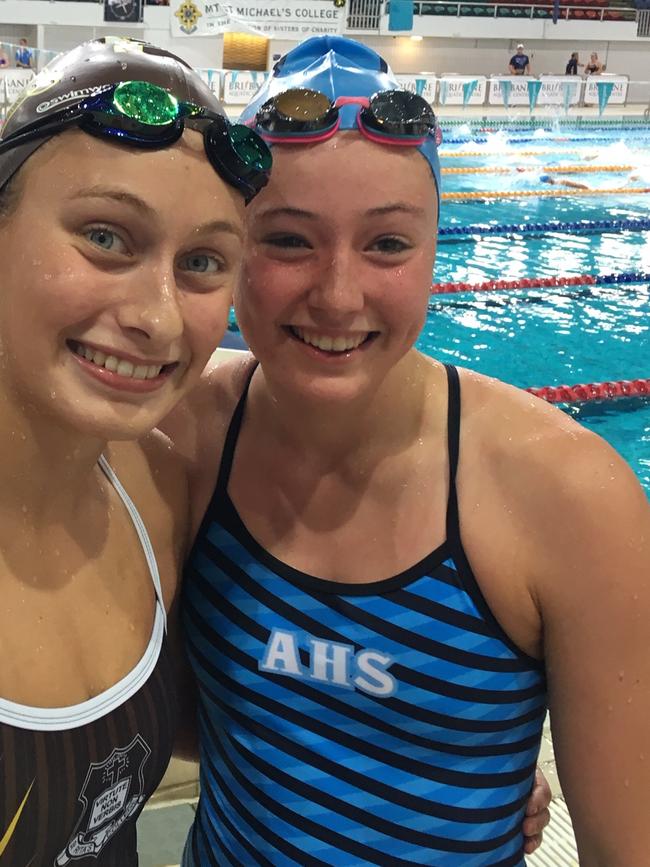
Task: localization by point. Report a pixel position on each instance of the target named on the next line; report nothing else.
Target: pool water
(564, 335)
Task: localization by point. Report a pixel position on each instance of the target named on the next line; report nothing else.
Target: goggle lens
(250, 149)
(297, 110)
(146, 103)
(399, 112)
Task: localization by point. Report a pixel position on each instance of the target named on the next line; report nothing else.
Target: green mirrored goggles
(144, 115)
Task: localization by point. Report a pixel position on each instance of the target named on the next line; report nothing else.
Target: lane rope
(526, 194)
(497, 170)
(591, 391)
(576, 227)
(541, 282)
(469, 139)
(534, 153)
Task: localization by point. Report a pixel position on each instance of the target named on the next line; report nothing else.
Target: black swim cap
(88, 69)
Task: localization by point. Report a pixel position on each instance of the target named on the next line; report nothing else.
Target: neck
(347, 435)
(47, 469)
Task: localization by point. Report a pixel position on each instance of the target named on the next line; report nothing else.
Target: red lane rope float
(589, 391)
(497, 170)
(512, 285)
(518, 194)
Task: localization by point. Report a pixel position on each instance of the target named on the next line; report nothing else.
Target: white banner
(455, 93)
(554, 90)
(619, 91)
(12, 83)
(212, 78)
(424, 85)
(240, 86)
(518, 90)
(282, 19)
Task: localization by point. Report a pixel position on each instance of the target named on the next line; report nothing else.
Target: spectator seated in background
(594, 67)
(519, 62)
(572, 65)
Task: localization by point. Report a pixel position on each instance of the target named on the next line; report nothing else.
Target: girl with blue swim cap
(402, 563)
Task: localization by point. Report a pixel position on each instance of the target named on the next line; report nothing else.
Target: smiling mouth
(335, 345)
(120, 366)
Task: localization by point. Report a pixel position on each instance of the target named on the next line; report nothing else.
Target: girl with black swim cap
(121, 226)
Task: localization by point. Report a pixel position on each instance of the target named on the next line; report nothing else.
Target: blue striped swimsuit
(389, 723)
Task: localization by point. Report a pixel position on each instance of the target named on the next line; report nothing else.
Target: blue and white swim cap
(336, 67)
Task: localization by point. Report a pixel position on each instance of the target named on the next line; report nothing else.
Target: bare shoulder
(568, 485)
(198, 427)
(197, 419)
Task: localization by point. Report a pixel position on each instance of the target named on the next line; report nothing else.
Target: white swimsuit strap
(140, 529)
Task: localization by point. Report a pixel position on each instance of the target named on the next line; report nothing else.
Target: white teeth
(329, 344)
(125, 368)
(116, 365)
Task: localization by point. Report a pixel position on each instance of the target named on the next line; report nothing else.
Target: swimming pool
(559, 335)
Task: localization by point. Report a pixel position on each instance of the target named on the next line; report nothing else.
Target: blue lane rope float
(581, 227)
(471, 139)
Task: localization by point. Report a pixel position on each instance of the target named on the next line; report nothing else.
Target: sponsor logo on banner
(240, 87)
(285, 19)
(456, 94)
(13, 83)
(518, 94)
(554, 90)
(423, 85)
(618, 94)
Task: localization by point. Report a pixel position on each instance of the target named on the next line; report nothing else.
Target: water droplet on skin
(24, 510)
(124, 65)
(626, 783)
(53, 394)
(621, 675)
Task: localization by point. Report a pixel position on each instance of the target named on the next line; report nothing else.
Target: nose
(337, 289)
(152, 312)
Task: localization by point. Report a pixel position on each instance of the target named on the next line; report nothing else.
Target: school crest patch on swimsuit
(112, 793)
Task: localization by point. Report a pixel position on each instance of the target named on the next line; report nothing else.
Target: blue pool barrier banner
(605, 89)
(617, 93)
(568, 88)
(400, 15)
(534, 88)
(468, 89)
(506, 87)
(283, 19)
(444, 90)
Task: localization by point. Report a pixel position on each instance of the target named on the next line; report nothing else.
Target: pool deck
(163, 826)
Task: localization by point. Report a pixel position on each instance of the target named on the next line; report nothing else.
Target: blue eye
(201, 263)
(106, 239)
